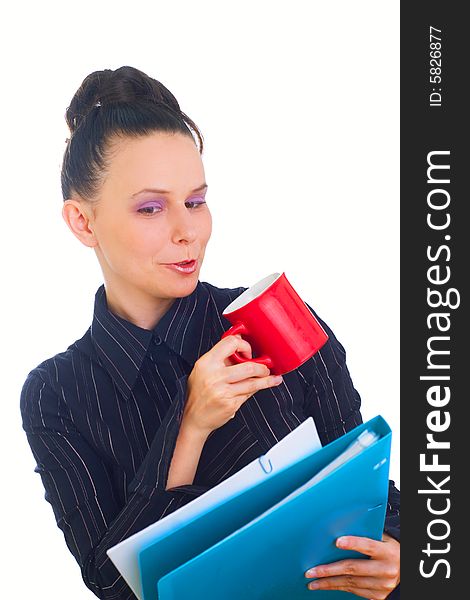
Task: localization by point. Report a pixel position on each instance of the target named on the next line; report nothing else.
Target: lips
(184, 267)
(184, 262)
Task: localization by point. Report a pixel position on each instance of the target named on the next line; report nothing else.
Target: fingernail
(311, 573)
(342, 542)
(278, 378)
(314, 585)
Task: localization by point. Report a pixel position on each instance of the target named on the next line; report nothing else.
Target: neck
(135, 305)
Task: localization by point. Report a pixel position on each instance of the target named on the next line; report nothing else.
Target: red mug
(281, 329)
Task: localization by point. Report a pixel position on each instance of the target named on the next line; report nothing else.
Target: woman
(146, 411)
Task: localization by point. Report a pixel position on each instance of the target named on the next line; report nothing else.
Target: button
(157, 340)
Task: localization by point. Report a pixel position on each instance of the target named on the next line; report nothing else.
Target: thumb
(247, 353)
(230, 344)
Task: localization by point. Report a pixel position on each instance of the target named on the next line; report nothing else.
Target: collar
(122, 346)
(191, 326)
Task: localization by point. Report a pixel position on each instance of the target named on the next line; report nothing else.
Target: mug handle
(240, 328)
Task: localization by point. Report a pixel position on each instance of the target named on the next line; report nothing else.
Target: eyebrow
(157, 191)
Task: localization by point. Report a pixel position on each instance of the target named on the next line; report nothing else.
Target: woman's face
(152, 213)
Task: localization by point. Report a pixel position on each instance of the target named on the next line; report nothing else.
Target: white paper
(300, 442)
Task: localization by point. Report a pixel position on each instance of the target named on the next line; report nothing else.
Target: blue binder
(251, 547)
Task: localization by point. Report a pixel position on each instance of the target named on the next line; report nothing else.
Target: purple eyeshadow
(160, 204)
(196, 200)
(150, 203)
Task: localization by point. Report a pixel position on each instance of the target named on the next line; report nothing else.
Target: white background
(298, 103)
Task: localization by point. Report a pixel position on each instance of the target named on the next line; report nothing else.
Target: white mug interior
(251, 293)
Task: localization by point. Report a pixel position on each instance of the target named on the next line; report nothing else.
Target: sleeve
(79, 487)
(334, 404)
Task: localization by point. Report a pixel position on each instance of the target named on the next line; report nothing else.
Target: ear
(78, 220)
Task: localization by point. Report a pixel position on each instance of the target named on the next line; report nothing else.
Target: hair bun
(125, 85)
(123, 102)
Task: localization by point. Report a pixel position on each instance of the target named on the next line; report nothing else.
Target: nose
(183, 226)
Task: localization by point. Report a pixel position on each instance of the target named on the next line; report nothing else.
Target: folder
(259, 543)
(300, 442)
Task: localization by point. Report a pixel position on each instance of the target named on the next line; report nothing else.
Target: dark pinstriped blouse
(102, 419)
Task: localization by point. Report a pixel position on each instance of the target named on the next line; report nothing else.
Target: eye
(195, 203)
(149, 209)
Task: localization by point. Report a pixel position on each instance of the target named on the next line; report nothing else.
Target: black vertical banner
(435, 257)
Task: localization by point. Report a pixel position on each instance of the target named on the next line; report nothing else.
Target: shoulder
(46, 381)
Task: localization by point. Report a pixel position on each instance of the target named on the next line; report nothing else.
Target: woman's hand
(372, 578)
(217, 388)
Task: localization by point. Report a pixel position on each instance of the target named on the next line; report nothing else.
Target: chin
(184, 287)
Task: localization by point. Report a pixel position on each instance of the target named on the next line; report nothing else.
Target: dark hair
(108, 105)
